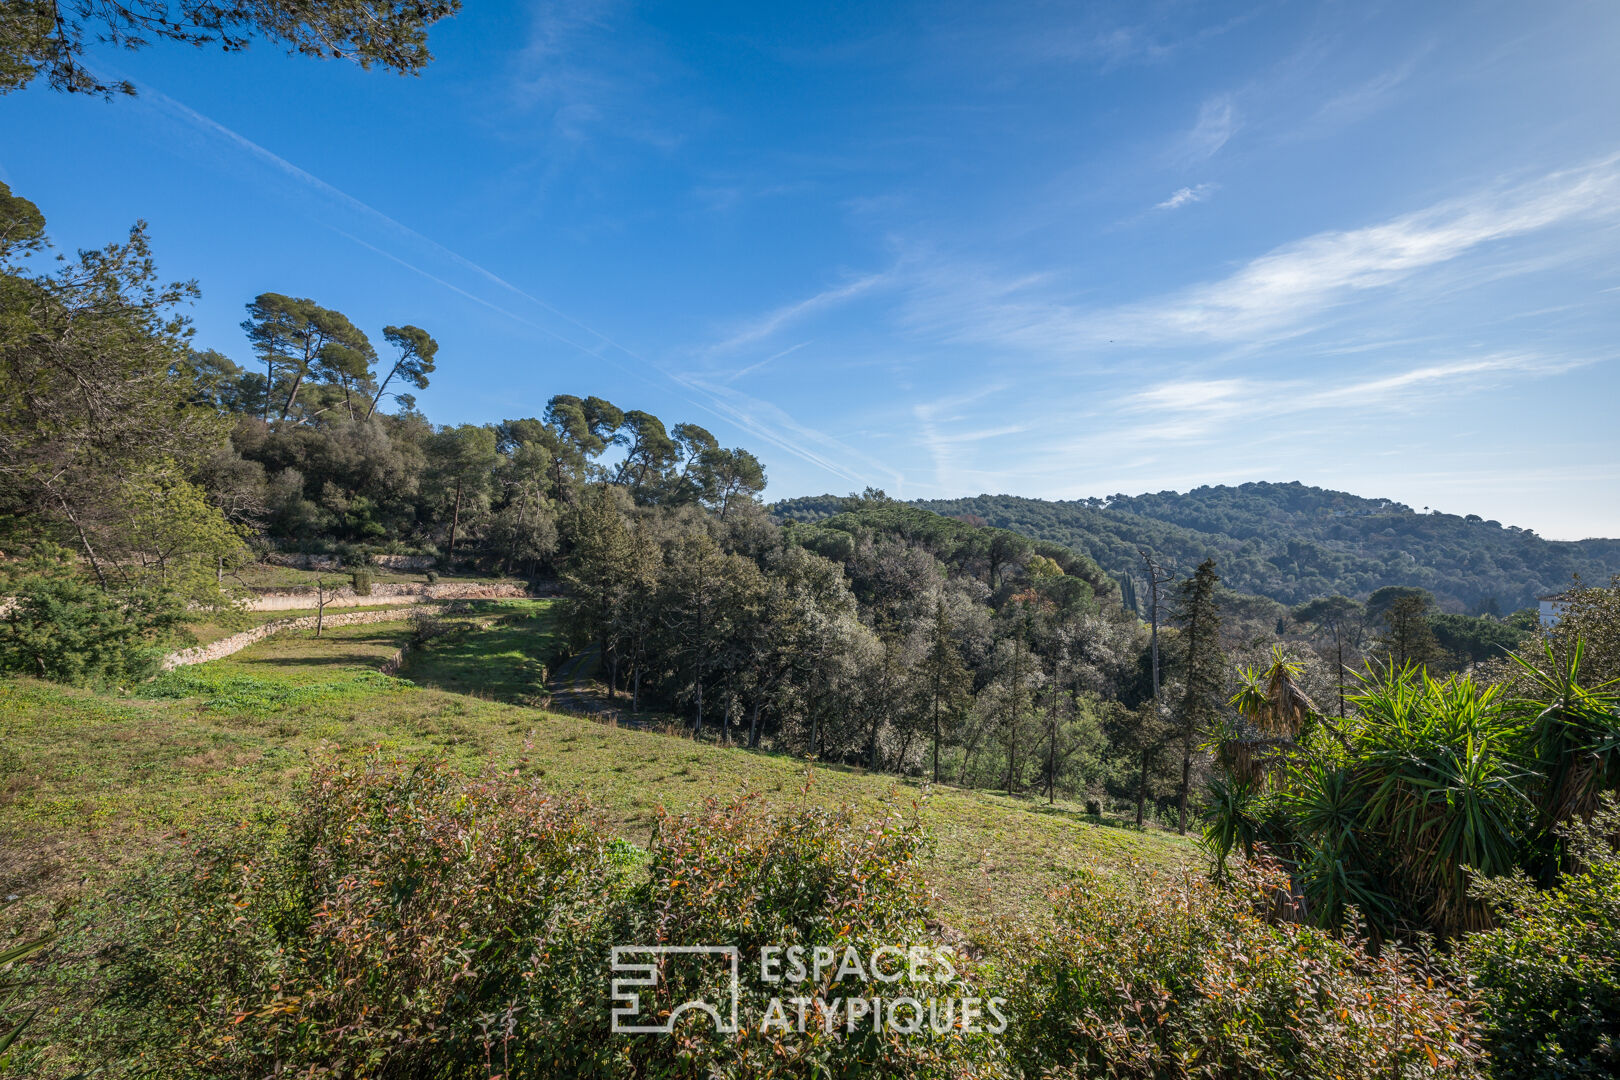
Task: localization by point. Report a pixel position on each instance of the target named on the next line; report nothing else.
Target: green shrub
(395, 925)
(407, 923)
(361, 580)
(1550, 973)
(1147, 976)
(732, 873)
(432, 577)
(63, 627)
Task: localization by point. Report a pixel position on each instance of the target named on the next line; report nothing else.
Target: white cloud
(1190, 409)
(1359, 102)
(1287, 288)
(1217, 123)
(768, 324)
(1289, 291)
(1183, 196)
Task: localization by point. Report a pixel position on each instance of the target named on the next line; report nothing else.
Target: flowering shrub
(1147, 976)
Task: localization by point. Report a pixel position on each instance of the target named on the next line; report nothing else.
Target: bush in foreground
(406, 922)
(1550, 973)
(409, 923)
(1153, 977)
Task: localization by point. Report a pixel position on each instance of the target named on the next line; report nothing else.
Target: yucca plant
(1432, 784)
(10, 1029)
(1443, 794)
(1574, 743)
(1232, 819)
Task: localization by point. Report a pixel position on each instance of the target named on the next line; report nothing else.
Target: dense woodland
(143, 473)
(1294, 543)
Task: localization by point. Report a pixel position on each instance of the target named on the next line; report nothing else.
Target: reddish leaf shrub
(407, 923)
(404, 922)
(732, 873)
(393, 929)
(1148, 976)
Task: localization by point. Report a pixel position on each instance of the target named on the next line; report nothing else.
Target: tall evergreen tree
(1200, 621)
(944, 677)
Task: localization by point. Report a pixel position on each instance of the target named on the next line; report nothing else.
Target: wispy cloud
(1289, 291)
(759, 329)
(1185, 196)
(942, 427)
(1217, 122)
(1196, 408)
(583, 89)
(1360, 101)
(773, 424)
(759, 419)
(756, 365)
(1288, 288)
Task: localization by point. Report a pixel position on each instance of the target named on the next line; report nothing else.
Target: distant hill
(1291, 542)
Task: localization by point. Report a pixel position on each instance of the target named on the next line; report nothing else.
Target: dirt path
(572, 692)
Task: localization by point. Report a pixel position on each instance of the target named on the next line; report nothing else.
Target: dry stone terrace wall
(304, 596)
(218, 650)
(300, 561)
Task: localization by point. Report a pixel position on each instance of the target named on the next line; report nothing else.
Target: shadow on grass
(505, 660)
(354, 659)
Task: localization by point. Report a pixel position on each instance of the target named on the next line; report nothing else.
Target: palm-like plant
(1434, 762)
(1574, 740)
(1279, 713)
(1431, 783)
(10, 1031)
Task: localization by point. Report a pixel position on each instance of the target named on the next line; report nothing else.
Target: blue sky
(940, 248)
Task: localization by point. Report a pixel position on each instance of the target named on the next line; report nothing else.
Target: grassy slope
(90, 784)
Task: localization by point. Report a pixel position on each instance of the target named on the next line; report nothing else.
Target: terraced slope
(92, 784)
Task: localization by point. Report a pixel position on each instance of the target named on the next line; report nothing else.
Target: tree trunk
(455, 521)
(1141, 787)
(1012, 727)
(287, 405)
(936, 734)
(1051, 759)
(1186, 783)
(90, 552)
(697, 725)
(380, 390)
(753, 727)
(1339, 647)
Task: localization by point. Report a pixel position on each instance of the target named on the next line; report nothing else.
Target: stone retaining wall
(406, 562)
(224, 647)
(304, 596)
(397, 661)
(301, 561)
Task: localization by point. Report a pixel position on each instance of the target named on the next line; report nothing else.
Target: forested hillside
(1292, 542)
